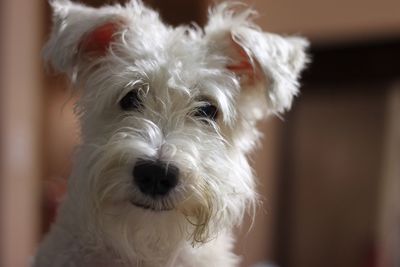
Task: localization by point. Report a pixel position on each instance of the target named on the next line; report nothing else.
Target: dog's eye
(207, 111)
(131, 101)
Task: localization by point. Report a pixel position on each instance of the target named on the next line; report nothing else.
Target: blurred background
(329, 171)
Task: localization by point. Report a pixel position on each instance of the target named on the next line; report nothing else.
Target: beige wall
(331, 20)
(20, 123)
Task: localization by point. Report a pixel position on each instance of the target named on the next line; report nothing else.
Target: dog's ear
(81, 34)
(263, 61)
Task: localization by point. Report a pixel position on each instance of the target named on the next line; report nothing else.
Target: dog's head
(168, 114)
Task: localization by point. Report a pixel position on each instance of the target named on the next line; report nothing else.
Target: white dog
(167, 116)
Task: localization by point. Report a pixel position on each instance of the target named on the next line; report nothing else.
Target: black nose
(155, 178)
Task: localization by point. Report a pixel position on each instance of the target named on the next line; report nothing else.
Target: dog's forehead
(175, 47)
(175, 58)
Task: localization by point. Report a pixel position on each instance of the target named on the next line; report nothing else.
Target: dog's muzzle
(155, 178)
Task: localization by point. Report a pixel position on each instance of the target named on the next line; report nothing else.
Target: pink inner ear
(98, 41)
(242, 64)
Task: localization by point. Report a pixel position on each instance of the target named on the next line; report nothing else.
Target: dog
(168, 116)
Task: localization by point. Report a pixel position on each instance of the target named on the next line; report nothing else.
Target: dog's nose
(155, 178)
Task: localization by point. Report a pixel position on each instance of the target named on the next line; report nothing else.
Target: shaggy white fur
(185, 98)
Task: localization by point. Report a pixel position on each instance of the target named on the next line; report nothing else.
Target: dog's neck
(82, 250)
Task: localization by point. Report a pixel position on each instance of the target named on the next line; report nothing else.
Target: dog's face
(168, 114)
